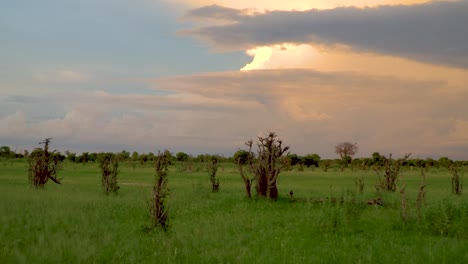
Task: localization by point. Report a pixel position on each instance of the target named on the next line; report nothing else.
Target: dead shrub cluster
(388, 172)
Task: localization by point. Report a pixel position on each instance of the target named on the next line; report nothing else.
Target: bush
(109, 170)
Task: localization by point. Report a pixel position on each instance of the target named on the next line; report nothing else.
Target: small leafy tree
(311, 160)
(5, 151)
(109, 166)
(43, 166)
(388, 172)
(157, 205)
(182, 156)
(295, 159)
(445, 162)
(267, 166)
(325, 164)
(241, 156)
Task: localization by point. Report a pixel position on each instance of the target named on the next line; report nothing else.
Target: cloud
(433, 32)
(217, 112)
(63, 76)
(327, 59)
(262, 5)
(261, 56)
(215, 12)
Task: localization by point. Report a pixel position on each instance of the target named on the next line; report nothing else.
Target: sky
(204, 76)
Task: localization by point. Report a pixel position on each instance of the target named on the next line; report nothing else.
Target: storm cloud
(433, 32)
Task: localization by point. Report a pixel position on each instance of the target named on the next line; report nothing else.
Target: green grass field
(77, 223)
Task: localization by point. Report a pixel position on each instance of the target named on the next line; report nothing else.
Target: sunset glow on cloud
(204, 76)
(296, 4)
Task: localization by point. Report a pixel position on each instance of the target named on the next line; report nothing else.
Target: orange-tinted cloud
(295, 4)
(431, 33)
(312, 111)
(345, 59)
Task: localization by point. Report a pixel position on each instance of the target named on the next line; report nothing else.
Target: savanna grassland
(326, 221)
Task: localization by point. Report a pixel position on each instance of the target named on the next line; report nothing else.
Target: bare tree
(346, 149)
(267, 166)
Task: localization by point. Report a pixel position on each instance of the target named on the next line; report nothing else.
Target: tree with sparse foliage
(267, 165)
(346, 149)
(157, 205)
(43, 166)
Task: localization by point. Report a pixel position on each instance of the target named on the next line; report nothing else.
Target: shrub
(213, 168)
(457, 179)
(109, 166)
(388, 172)
(157, 205)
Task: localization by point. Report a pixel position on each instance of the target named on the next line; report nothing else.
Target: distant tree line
(291, 159)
